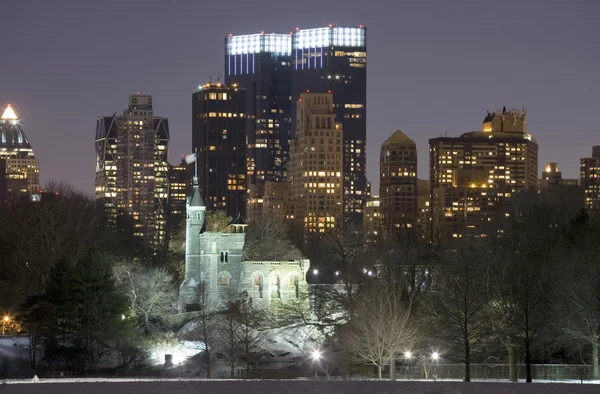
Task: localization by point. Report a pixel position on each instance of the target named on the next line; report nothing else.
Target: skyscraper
(502, 154)
(21, 168)
(590, 179)
(132, 169)
(260, 64)
(372, 219)
(316, 162)
(219, 126)
(178, 181)
(398, 183)
(334, 59)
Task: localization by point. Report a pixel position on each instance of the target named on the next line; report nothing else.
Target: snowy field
(289, 386)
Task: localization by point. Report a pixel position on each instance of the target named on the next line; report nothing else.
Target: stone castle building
(216, 259)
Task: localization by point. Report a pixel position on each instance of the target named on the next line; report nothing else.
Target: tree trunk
(393, 370)
(596, 368)
(467, 377)
(379, 372)
(528, 378)
(512, 364)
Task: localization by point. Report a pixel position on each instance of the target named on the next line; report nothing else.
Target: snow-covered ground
(287, 386)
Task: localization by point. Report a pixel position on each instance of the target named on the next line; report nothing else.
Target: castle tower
(195, 214)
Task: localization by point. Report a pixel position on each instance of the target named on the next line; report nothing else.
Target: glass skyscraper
(261, 64)
(333, 60)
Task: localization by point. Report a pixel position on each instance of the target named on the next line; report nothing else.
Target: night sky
(434, 67)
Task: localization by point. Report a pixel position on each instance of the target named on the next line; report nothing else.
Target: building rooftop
(398, 138)
(12, 136)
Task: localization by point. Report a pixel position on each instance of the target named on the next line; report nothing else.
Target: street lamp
(316, 355)
(435, 356)
(408, 356)
(5, 321)
(315, 273)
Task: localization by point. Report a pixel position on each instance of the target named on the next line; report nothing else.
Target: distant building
(472, 206)
(316, 162)
(132, 169)
(261, 65)
(423, 208)
(589, 168)
(334, 59)
(372, 219)
(178, 181)
(20, 169)
(215, 260)
(552, 177)
(398, 183)
(219, 126)
(502, 158)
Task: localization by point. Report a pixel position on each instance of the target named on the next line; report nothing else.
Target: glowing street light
(435, 356)
(316, 356)
(315, 273)
(5, 322)
(408, 356)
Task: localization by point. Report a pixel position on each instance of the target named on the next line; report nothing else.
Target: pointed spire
(9, 113)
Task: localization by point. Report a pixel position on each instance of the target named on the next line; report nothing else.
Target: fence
(497, 371)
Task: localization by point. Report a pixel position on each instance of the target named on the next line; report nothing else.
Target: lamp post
(5, 322)
(315, 273)
(316, 355)
(435, 356)
(407, 356)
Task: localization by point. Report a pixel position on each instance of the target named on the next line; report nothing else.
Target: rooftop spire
(9, 113)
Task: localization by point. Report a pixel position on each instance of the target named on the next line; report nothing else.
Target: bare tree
(206, 325)
(269, 240)
(522, 278)
(459, 309)
(217, 221)
(150, 291)
(577, 304)
(380, 326)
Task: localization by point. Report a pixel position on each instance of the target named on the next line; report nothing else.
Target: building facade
(132, 170)
(219, 126)
(215, 260)
(21, 170)
(261, 65)
(398, 183)
(502, 150)
(178, 181)
(372, 219)
(334, 59)
(589, 169)
(316, 167)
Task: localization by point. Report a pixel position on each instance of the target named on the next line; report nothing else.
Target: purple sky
(433, 67)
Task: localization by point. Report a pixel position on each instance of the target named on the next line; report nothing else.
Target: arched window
(257, 280)
(226, 257)
(222, 257)
(293, 280)
(274, 280)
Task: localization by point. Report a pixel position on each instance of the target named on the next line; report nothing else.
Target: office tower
(398, 183)
(260, 64)
(372, 219)
(589, 168)
(21, 168)
(219, 137)
(552, 177)
(316, 162)
(334, 59)
(132, 170)
(178, 181)
(423, 208)
(502, 149)
(471, 206)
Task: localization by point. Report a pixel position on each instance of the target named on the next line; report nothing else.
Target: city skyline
(437, 71)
